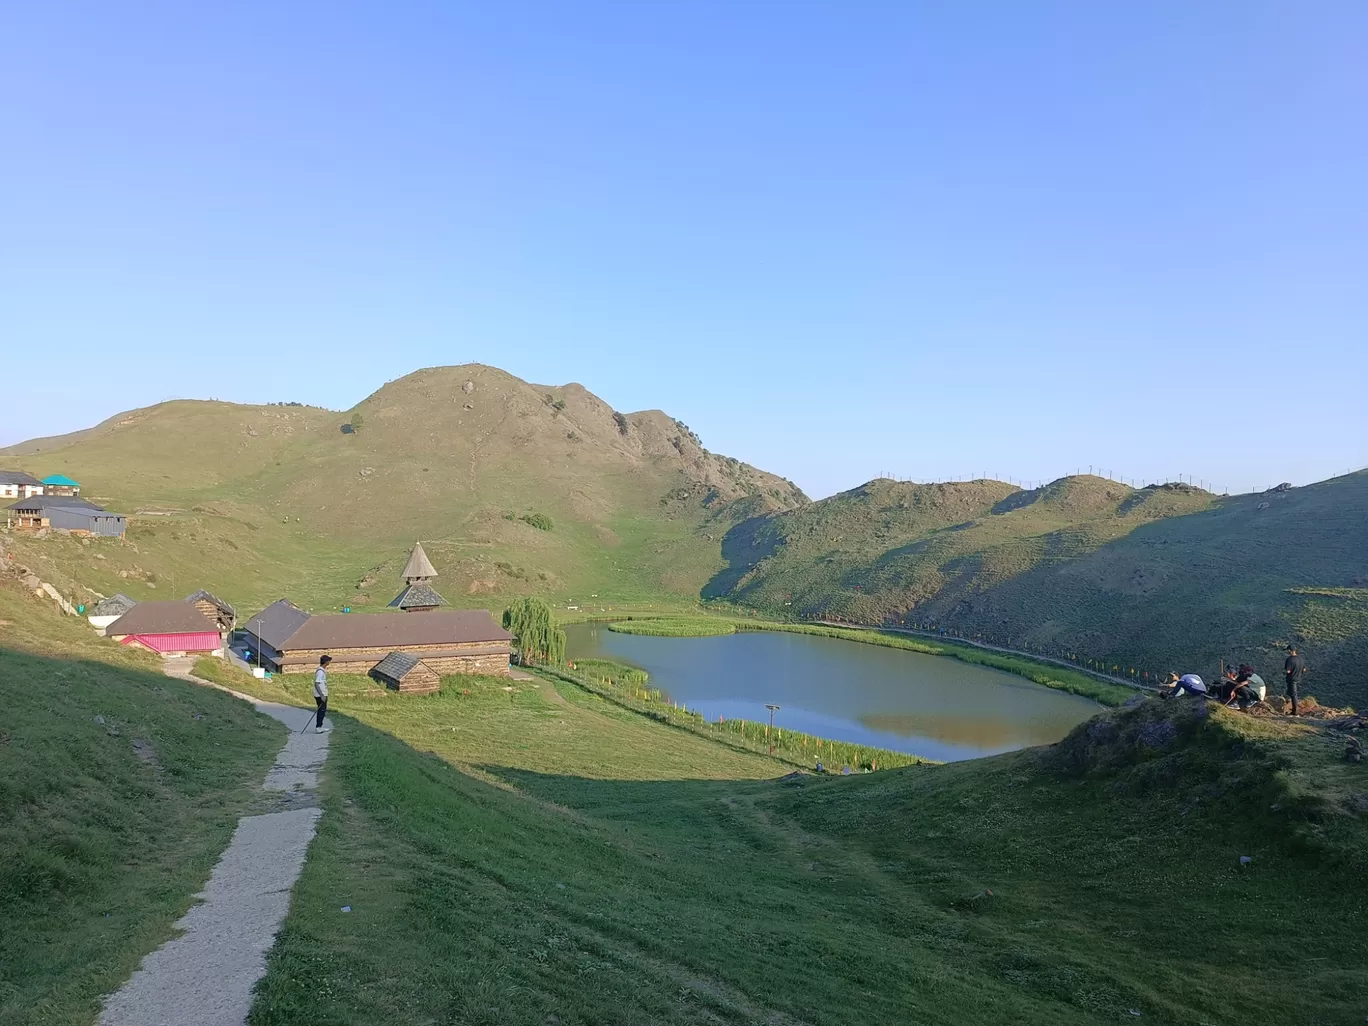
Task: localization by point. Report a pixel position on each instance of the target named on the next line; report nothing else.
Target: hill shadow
(743, 547)
(1235, 581)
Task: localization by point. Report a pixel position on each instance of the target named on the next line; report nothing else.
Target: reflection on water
(989, 734)
(928, 705)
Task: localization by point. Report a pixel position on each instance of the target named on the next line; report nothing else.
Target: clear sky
(935, 239)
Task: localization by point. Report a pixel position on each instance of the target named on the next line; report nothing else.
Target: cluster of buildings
(55, 503)
(408, 650)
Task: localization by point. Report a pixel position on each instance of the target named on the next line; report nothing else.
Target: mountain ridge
(1152, 579)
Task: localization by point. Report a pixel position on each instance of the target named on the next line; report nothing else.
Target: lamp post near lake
(772, 710)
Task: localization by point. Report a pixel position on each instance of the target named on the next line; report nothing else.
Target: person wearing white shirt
(321, 693)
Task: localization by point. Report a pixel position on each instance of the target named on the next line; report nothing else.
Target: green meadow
(499, 875)
(529, 851)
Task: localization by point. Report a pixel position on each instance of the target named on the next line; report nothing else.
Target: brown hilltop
(481, 416)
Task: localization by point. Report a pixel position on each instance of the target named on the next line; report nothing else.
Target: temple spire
(419, 567)
(418, 596)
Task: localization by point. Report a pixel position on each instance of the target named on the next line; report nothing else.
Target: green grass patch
(525, 725)
(119, 789)
(498, 896)
(674, 628)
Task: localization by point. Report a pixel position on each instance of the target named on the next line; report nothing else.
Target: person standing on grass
(321, 693)
(1294, 669)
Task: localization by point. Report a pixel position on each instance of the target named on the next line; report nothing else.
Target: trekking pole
(306, 723)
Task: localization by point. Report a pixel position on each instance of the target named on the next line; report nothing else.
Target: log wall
(487, 665)
(214, 614)
(421, 680)
(363, 660)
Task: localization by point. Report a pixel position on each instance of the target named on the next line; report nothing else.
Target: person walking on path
(1294, 669)
(321, 692)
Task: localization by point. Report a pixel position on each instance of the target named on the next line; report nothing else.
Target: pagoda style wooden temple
(418, 595)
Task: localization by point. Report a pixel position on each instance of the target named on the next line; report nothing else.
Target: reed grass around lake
(674, 628)
(631, 688)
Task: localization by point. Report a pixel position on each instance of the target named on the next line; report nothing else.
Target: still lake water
(931, 706)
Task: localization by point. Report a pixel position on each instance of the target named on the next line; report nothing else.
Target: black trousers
(1292, 686)
(322, 704)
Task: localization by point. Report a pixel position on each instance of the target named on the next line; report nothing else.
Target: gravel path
(204, 976)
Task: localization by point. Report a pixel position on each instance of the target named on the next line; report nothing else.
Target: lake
(932, 706)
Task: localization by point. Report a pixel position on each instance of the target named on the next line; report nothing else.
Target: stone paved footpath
(204, 976)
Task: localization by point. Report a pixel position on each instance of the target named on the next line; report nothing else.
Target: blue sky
(836, 239)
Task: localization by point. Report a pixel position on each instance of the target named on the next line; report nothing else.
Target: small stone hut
(107, 610)
(406, 673)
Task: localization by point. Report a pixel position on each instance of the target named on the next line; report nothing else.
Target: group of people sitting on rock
(1242, 687)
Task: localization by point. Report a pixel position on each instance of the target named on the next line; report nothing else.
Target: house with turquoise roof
(60, 484)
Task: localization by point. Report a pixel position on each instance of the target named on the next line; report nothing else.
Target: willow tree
(538, 638)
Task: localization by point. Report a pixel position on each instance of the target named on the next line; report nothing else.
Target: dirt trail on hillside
(205, 975)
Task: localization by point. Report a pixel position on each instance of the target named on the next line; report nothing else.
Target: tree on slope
(538, 638)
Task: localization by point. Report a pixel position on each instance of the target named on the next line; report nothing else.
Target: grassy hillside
(527, 853)
(518, 488)
(499, 885)
(1155, 578)
(118, 789)
(255, 502)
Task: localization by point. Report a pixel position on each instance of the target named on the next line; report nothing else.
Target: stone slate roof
(417, 596)
(17, 477)
(396, 666)
(202, 594)
(60, 502)
(277, 623)
(115, 605)
(173, 617)
(341, 631)
(419, 566)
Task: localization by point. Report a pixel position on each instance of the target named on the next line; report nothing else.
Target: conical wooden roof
(419, 567)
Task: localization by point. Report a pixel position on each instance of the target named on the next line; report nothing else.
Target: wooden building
(418, 595)
(406, 673)
(215, 609)
(290, 640)
(60, 484)
(58, 513)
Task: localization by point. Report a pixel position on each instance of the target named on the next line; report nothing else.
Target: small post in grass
(772, 710)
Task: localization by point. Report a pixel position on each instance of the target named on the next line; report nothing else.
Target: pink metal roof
(202, 641)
